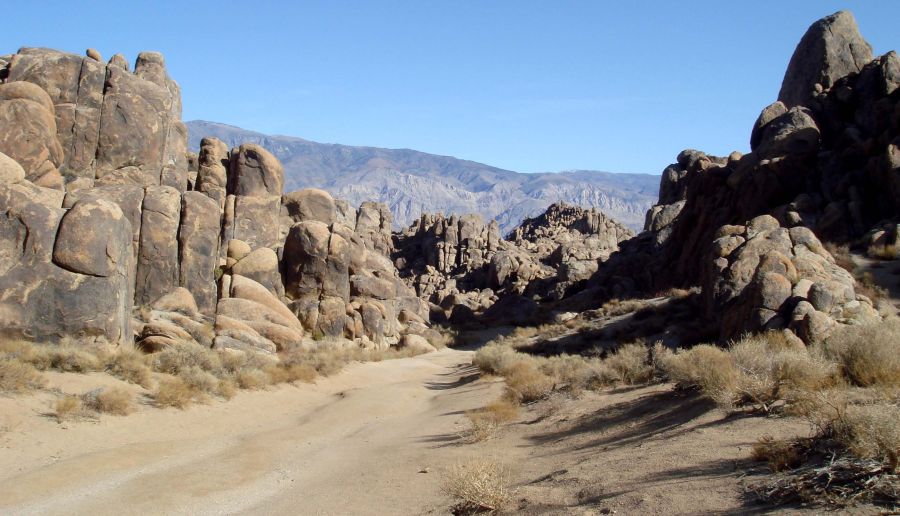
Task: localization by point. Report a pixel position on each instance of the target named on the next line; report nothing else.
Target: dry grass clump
(480, 485)
(112, 400)
(868, 355)
(441, 338)
(853, 456)
(184, 356)
(487, 420)
(526, 383)
(18, 376)
(780, 455)
(252, 379)
(616, 307)
(173, 392)
(707, 368)
(131, 366)
(867, 286)
(631, 363)
(284, 373)
(759, 370)
(67, 356)
(495, 357)
(530, 378)
(68, 407)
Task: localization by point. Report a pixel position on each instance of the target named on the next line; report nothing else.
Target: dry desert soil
(378, 438)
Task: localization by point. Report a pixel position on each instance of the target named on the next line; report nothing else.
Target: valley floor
(377, 439)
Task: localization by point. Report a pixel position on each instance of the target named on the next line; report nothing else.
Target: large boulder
(64, 274)
(28, 132)
(758, 275)
(831, 48)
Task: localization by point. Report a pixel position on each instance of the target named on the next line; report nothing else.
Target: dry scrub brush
(758, 370)
(109, 400)
(487, 420)
(479, 485)
(530, 377)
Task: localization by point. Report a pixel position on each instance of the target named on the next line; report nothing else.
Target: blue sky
(525, 85)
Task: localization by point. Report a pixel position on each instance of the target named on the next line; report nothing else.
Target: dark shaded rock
(831, 48)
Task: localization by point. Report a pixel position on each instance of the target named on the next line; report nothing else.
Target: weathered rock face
(338, 281)
(462, 266)
(64, 273)
(832, 48)
(763, 276)
(111, 126)
(822, 166)
(29, 132)
(101, 214)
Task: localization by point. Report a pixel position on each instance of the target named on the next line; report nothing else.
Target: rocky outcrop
(339, 283)
(821, 167)
(832, 48)
(570, 239)
(763, 276)
(105, 226)
(462, 265)
(111, 126)
(64, 273)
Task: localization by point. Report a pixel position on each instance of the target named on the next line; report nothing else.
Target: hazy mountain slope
(412, 182)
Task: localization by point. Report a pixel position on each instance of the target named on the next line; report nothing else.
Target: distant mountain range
(413, 182)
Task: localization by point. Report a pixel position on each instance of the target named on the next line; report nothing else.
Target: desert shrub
(631, 362)
(441, 338)
(479, 485)
(131, 366)
(68, 358)
(883, 252)
(173, 392)
(490, 418)
(770, 366)
(174, 359)
(496, 357)
(867, 286)
(707, 368)
(842, 256)
(112, 400)
(524, 332)
(252, 379)
(325, 361)
(757, 370)
(872, 432)
(526, 383)
(227, 388)
(283, 373)
(780, 455)
(68, 407)
(616, 307)
(199, 381)
(18, 376)
(869, 355)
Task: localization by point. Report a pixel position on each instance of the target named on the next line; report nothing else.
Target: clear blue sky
(525, 85)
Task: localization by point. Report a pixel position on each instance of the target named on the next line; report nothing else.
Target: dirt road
(371, 440)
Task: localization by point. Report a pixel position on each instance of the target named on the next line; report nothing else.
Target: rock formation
(108, 233)
(822, 167)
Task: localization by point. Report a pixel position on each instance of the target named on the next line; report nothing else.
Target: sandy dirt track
(371, 440)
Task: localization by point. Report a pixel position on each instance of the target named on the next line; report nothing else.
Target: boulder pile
(822, 166)
(110, 232)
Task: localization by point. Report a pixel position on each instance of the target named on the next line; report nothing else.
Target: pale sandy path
(371, 440)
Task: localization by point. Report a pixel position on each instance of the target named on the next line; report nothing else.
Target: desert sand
(376, 439)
